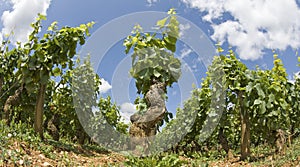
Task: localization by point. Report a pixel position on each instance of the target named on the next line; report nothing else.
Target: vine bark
(11, 100)
(145, 125)
(38, 116)
(245, 129)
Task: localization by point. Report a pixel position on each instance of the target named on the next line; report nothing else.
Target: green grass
(19, 145)
(265, 155)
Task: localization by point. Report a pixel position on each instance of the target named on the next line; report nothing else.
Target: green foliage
(50, 55)
(18, 139)
(9, 134)
(108, 113)
(154, 64)
(21, 147)
(155, 160)
(270, 100)
(153, 57)
(97, 114)
(85, 88)
(30, 65)
(49, 59)
(141, 105)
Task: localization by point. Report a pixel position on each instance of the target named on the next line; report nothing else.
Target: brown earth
(85, 157)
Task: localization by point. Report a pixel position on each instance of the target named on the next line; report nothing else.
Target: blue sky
(252, 28)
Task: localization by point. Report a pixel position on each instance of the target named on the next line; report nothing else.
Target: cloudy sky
(253, 28)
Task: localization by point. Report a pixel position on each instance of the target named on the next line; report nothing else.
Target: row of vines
(36, 82)
(258, 106)
(235, 106)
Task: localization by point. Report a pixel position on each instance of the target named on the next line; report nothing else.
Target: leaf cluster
(153, 56)
(271, 101)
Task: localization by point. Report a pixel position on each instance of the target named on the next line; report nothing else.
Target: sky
(252, 28)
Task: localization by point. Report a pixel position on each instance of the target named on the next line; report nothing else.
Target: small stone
(9, 135)
(46, 164)
(41, 156)
(9, 152)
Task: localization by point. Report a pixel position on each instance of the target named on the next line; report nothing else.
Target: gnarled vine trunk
(223, 141)
(11, 100)
(1, 83)
(53, 126)
(145, 125)
(38, 116)
(245, 129)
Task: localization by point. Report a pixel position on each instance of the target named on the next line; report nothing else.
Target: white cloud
(256, 24)
(18, 20)
(151, 2)
(183, 28)
(126, 110)
(105, 86)
(214, 8)
(185, 52)
(292, 79)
